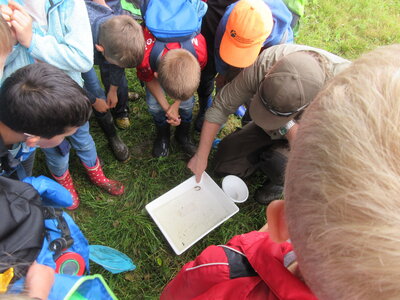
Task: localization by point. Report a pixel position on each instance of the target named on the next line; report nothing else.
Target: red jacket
(210, 275)
(144, 71)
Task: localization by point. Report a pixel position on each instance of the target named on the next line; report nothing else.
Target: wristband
(285, 128)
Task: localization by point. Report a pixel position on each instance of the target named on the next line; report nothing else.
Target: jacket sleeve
(239, 91)
(73, 48)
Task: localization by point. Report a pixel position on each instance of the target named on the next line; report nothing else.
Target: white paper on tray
(190, 211)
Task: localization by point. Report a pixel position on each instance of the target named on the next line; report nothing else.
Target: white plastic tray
(190, 211)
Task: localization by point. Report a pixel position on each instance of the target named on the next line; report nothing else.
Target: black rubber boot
(120, 150)
(182, 136)
(268, 193)
(161, 143)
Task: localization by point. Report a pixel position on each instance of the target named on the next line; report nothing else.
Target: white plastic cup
(235, 188)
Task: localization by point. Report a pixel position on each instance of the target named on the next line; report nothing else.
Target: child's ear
(99, 48)
(277, 226)
(32, 141)
(155, 74)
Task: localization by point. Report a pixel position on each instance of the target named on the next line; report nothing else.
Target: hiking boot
(122, 123)
(98, 178)
(66, 181)
(162, 141)
(120, 150)
(268, 193)
(182, 136)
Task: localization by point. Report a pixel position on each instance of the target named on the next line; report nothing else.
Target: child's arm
(73, 50)
(156, 90)
(172, 113)
(116, 78)
(112, 96)
(39, 280)
(100, 105)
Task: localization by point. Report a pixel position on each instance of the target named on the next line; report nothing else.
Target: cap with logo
(287, 89)
(248, 26)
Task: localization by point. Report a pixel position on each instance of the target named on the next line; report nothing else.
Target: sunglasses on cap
(275, 112)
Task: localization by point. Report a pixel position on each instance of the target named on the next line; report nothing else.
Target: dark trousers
(121, 110)
(249, 149)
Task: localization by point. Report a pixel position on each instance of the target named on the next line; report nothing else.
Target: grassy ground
(347, 28)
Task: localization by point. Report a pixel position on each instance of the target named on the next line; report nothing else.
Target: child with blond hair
(176, 74)
(6, 42)
(340, 211)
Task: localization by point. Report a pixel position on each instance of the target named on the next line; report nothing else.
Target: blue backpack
(174, 21)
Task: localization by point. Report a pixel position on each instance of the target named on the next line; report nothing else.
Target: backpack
(177, 21)
(22, 227)
(34, 228)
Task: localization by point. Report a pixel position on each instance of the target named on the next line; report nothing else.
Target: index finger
(6, 12)
(19, 7)
(198, 177)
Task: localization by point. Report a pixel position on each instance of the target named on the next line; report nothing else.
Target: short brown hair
(5, 37)
(179, 74)
(123, 41)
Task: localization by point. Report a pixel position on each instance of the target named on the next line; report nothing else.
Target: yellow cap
(248, 26)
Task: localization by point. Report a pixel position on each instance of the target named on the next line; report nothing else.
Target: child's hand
(100, 105)
(112, 96)
(174, 122)
(21, 23)
(39, 280)
(172, 114)
(6, 13)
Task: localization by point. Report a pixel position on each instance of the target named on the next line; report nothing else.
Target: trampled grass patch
(344, 27)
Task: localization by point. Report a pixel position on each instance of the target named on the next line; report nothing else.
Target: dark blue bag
(172, 21)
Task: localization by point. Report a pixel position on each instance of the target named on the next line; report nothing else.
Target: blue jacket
(98, 14)
(281, 32)
(67, 44)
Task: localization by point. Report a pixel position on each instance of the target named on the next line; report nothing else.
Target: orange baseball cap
(248, 26)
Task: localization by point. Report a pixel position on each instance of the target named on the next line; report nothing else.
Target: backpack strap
(156, 53)
(159, 46)
(66, 240)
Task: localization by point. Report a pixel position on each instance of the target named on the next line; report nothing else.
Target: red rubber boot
(66, 181)
(97, 176)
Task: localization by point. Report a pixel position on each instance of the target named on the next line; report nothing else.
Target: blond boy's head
(343, 182)
(5, 38)
(179, 74)
(122, 42)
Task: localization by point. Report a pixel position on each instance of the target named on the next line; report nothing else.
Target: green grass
(347, 28)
